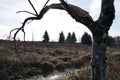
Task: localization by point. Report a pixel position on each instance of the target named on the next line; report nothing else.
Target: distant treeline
(71, 38)
(114, 41)
(86, 39)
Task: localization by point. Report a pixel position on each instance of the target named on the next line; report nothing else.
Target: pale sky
(54, 21)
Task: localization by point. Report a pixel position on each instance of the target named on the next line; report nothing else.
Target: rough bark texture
(100, 38)
(98, 60)
(98, 28)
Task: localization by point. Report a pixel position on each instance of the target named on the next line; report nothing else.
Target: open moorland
(36, 58)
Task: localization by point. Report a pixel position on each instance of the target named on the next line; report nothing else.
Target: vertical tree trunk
(100, 33)
(99, 57)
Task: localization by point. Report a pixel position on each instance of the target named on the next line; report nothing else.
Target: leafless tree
(99, 29)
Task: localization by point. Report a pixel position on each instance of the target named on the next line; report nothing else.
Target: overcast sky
(54, 21)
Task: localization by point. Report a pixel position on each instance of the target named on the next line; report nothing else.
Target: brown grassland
(36, 58)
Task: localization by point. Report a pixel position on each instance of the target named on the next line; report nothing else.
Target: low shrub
(47, 68)
(60, 67)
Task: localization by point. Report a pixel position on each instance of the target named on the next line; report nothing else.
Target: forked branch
(23, 25)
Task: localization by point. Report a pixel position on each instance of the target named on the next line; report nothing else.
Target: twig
(11, 32)
(26, 12)
(33, 7)
(46, 3)
(22, 27)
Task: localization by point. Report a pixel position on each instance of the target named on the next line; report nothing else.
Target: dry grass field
(36, 58)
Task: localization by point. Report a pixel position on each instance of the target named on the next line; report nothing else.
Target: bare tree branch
(33, 7)
(37, 17)
(107, 14)
(76, 10)
(78, 14)
(52, 6)
(46, 3)
(11, 33)
(43, 11)
(26, 12)
(23, 25)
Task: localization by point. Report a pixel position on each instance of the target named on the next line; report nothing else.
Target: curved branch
(11, 33)
(52, 6)
(26, 12)
(43, 11)
(23, 25)
(78, 14)
(75, 11)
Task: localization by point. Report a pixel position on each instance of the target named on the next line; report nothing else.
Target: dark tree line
(71, 38)
(86, 39)
(117, 41)
(113, 41)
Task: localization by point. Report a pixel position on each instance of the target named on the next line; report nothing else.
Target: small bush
(60, 67)
(47, 68)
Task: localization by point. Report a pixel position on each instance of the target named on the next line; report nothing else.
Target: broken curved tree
(99, 29)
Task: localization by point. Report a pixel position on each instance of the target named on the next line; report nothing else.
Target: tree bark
(100, 34)
(98, 62)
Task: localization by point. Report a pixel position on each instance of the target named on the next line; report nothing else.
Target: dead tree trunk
(98, 61)
(98, 28)
(100, 34)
